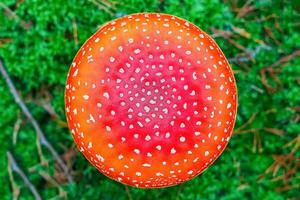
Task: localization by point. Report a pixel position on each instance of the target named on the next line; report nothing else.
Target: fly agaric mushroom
(150, 100)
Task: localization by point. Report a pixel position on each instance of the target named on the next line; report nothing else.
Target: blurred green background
(261, 39)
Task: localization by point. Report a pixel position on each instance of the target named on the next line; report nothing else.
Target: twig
(16, 129)
(75, 36)
(3, 41)
(250, 55)
(285, 59)
(296, 142)
(179, 191)
(271, 70)
(52, 181)
(34, 123)
(247, 8)
(128, 192)
(14, 166)
(10, 13)
(102, 6)
(14, 186)
(250, 120)
(109, 3)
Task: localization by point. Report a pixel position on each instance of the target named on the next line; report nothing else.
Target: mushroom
(150, 100)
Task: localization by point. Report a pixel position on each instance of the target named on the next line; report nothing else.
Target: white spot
(146, 108)
(100, 158)
(112, 112)
(137, 51)
(188, 52)
(108, 128)
(146, 165)
(137, 151)
(167, 134)
(121, 70)
(112, 59)
(106, 95)
(75, 72)
(86, 97)
(75, 111)
(138, 173)
(182, 139)
(206, 153)
(182, 125)
(92, 118)
(130, 40)
(173, 151)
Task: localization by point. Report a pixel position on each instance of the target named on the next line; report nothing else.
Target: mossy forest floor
(261, 39)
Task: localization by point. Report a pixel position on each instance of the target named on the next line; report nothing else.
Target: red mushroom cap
(151, 100)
